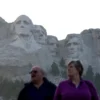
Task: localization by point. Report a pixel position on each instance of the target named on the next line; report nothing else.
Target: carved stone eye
(75, 43)
(41, 35)
(26, 22)
(18, 22)
(69, 44)
(98, 37)
(24, 35)
(52, 43)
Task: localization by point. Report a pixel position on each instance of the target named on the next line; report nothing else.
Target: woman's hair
(77, 64)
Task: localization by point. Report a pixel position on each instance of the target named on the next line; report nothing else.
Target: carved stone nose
(41, 35)
(71, 48)
(22, 26)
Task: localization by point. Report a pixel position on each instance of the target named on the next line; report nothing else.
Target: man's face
(73, 47)
(36, 75)
(52, 45)
(41, 38)
(40, 35)
(23, 25)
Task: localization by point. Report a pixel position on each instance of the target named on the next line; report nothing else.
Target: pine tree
(9, 89)
(97, 81)
(89, 74)
(54, 69)
(64, 74)
(63, 71)
(62, 63)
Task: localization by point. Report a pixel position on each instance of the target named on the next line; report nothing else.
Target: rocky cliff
(23, 44)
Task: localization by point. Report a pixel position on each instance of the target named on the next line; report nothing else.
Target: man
(39, 88)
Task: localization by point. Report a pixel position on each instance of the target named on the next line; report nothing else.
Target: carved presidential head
(96, 40)
(22, 25)
(40, 34)
(73, 45)
(52, 42)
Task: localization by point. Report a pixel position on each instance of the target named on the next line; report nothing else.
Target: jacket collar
(70, 81)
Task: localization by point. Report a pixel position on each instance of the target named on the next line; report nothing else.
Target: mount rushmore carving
(23, 43)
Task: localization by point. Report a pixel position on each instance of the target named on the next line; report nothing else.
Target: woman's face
(72, 71)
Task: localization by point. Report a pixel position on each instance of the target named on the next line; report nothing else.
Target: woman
(75, 88)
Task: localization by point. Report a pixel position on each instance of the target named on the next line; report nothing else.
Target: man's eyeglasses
(34, 71)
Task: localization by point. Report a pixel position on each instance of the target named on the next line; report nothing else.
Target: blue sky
(59, 17)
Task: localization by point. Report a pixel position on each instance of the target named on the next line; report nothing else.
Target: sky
(59, 17)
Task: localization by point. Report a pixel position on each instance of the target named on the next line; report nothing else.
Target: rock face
(19, 45)
(91, 39)
(22, 27)
(74, 49)
(23, 44)
(40, 35)
(52, 43)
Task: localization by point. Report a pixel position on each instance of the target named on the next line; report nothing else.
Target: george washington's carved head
(23, 25)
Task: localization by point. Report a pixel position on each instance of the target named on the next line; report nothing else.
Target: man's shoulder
(27, 85)
(89, 83)
(49, 83)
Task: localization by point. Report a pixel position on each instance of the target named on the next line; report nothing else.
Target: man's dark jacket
(44, 92)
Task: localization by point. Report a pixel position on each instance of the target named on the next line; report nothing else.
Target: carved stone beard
(53, 54)
(74, 53)
(26, 42)
(74, 56)
(41, 40)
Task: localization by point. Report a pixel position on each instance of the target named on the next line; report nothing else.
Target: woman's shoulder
(89, 83)
(64, 82)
